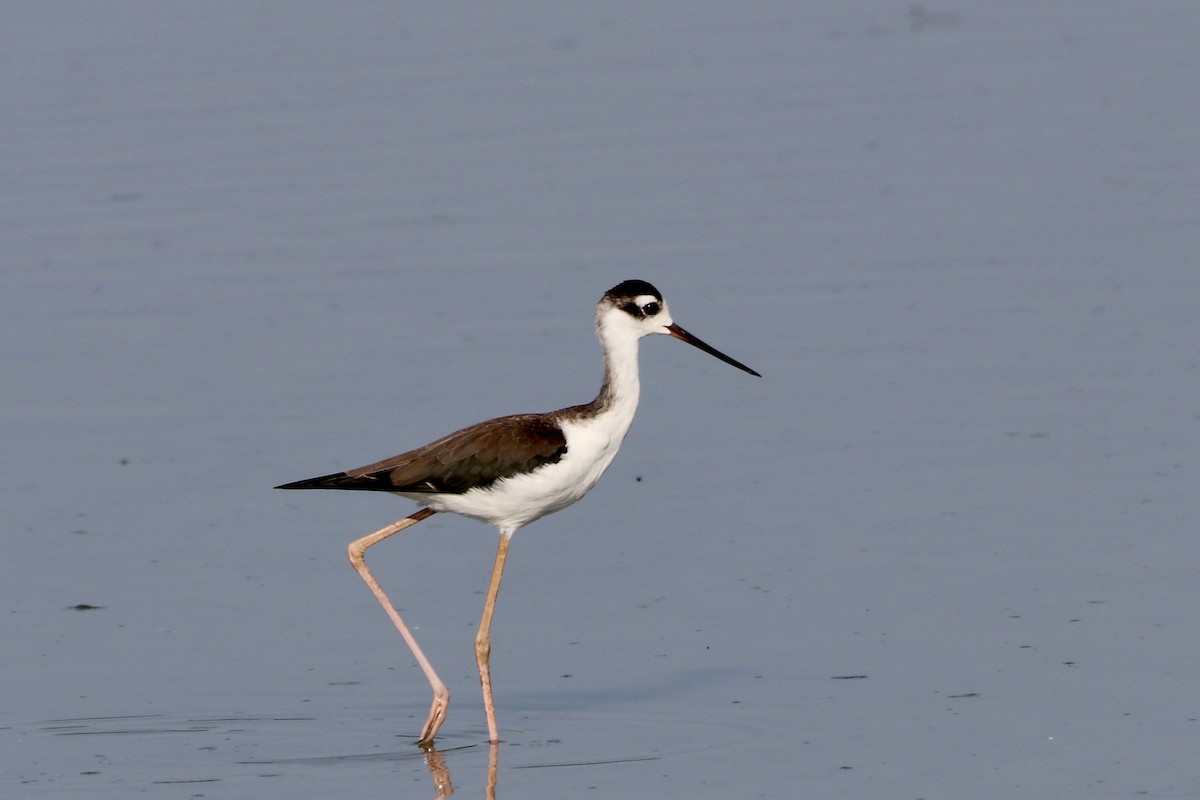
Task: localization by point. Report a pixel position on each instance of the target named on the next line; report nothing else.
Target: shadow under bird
(513, 470)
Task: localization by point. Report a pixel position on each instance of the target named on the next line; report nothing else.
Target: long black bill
(683, 336)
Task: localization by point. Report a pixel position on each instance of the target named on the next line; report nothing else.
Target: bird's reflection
(443, 787)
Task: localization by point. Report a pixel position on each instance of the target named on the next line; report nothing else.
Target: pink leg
(483, 638)
(441, 695)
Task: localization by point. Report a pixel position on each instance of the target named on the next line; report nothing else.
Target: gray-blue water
(945, 548)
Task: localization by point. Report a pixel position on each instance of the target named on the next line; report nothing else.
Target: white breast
(510, 503)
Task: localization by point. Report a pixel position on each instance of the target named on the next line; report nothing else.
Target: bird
(512, 470)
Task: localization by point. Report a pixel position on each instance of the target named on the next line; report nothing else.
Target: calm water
(945, 548)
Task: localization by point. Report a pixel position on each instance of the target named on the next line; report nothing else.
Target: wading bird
(513, 470)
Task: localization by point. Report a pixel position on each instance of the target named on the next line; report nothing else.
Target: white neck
(613, 409)
(619, 394)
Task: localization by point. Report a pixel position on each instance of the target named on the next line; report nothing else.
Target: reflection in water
(440, 773)
(238, 733)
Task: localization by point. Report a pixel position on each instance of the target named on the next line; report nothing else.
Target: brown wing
(470, 458)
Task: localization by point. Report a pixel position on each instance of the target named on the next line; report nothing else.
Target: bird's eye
(650, 309)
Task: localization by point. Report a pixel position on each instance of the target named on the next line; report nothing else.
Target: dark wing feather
(473, 457)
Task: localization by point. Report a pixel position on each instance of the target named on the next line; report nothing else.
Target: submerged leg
(358, 549)
(483, 638)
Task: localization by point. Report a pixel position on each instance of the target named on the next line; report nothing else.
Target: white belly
(511, 503)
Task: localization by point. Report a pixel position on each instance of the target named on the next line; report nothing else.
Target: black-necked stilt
(512, 470)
